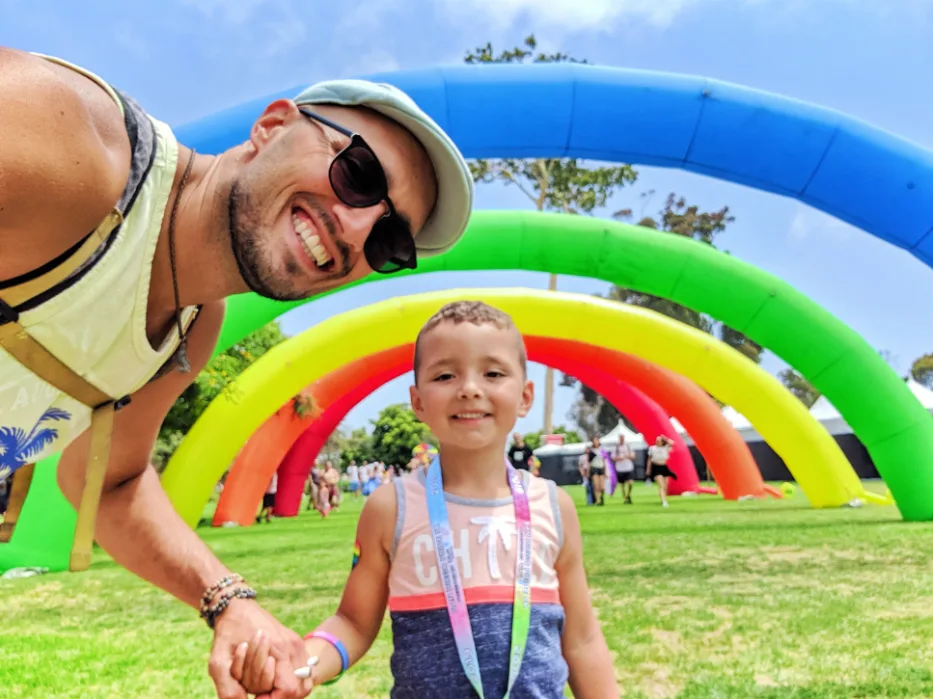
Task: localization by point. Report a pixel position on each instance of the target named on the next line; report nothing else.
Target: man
(519, 453)
(346, 178)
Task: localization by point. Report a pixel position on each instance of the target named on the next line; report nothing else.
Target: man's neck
(205, 268)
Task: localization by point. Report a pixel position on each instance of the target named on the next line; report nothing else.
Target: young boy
(481, 600)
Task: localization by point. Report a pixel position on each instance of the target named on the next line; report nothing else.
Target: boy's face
(470, 387)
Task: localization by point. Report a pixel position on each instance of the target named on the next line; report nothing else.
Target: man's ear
(277, 114)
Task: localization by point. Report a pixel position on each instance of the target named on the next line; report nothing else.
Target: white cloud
(234, 11)
(131, 41)
(372, 61)
(260, 28)
(569, 15)
(812, 223)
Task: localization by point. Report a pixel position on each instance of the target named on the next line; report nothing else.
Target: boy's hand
(254, 668)
(252, 665)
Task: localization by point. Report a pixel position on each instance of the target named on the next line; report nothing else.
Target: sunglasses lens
(390, 247)
(357, 177)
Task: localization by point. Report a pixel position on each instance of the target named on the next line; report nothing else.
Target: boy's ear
(417, 405)
(528, 398)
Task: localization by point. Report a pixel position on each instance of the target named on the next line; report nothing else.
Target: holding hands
(252, 653)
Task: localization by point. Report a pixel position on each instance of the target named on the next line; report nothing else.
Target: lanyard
(453, 586)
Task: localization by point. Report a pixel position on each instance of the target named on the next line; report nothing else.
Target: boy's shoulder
(379, 512)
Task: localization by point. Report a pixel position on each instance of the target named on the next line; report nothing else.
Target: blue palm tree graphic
(16, 446)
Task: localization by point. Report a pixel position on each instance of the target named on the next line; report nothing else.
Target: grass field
(705, 599)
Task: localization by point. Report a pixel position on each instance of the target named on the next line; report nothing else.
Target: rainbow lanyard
(453, 587)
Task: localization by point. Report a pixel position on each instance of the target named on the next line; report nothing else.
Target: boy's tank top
(96, 322)
(425, 662)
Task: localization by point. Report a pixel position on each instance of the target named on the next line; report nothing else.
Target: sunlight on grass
(706, 599)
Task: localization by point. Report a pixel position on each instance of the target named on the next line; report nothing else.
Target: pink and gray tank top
(425, 662)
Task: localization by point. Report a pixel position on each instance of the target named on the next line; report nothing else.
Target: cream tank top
(96, 325)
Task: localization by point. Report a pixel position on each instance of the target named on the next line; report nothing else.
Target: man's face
(292, 236)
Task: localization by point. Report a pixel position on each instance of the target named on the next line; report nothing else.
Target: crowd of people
(595, 460)
(326, 484)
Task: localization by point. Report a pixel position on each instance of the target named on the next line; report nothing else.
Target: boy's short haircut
(476, 312)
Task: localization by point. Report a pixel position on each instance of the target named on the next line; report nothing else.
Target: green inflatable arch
(872, 399)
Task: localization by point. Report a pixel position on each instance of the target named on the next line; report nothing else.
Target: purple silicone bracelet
(338, 645)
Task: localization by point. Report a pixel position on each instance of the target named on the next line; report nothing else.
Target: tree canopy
(216, 378)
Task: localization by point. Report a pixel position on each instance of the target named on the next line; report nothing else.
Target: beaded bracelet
(338, 646)
(211, 613)
(225, 581)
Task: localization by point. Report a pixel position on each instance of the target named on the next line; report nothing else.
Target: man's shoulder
(65, 159)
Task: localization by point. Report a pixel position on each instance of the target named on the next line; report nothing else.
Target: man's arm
(139, 528)
(136, 523)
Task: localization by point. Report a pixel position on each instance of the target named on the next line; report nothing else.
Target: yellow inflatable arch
(810, 453)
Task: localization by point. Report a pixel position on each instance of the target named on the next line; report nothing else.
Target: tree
(678, 217)
(396, 432)
(553, 184)
(922, 370)
(216, 378)
(333, 446)
(591, 411)
(357, 446)
(799, 386)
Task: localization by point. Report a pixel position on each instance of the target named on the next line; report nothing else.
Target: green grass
(706, 599)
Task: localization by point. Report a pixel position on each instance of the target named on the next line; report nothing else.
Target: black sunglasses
(359, 180)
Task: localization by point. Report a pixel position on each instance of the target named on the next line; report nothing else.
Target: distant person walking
(268, 499)
(519, 453)
(597, 472)
(583, 466)
(624, 459)
(658, 455)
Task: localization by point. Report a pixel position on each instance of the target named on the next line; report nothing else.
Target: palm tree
(17, 447)
(495, 528)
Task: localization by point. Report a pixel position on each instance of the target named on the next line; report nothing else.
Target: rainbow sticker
(356, 554)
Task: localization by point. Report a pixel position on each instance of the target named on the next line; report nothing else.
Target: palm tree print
(17, 447)
(495, 528)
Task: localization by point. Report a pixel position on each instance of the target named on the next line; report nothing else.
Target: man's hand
(238, 624)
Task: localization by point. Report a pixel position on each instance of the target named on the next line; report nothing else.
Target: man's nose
(356, 223)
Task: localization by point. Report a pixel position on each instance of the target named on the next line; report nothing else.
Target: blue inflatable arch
(844, 167)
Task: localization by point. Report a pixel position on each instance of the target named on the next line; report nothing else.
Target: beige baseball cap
(451, 212)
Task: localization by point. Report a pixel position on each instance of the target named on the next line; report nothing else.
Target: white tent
(829, 417)
(610, 439)
(922, 393)
(633, 439)
(736, 419)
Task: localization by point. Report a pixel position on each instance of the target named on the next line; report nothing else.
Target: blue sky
(189, 58)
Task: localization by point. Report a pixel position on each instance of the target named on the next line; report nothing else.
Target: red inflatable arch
(726, 453)
(267, 448)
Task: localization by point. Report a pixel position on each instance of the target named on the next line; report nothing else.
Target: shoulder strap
(34, 356)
